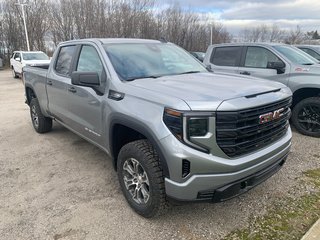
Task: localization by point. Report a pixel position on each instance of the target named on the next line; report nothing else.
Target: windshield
(150, 60)
(317, 48)
(295, 55)
(35, 56)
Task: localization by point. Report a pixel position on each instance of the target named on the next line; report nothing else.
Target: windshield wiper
(135, 78)
(189, 72)
(307, 64)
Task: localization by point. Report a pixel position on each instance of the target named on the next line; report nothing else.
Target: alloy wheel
(35, 117)
(309, 118)
(136, 181)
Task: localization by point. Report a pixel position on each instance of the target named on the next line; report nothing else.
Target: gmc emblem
(264, 118)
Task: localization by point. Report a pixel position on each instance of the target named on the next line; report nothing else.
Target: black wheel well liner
(123, 132)
(304, 93)
(30, 94)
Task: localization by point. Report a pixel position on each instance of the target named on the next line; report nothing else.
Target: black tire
(14, 74)
(148, 160)
(40, 123)
(306, 116)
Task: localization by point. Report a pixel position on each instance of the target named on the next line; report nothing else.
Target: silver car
(276, 62)
(171, 128)
(312, 50)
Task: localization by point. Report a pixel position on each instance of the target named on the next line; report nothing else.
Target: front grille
(240, 132)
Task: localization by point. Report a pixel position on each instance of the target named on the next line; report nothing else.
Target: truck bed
(36, 76)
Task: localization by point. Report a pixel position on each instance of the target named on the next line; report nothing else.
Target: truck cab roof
(113, 40)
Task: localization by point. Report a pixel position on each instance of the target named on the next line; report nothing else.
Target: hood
(307, 69)
(207, 90)
(35, 62)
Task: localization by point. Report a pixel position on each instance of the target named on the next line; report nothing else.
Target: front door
(17, 65)
(257, 63)
(86, 103)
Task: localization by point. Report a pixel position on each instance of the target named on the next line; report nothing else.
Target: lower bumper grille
(241, 186)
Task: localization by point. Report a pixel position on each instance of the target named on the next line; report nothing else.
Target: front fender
(143, 129)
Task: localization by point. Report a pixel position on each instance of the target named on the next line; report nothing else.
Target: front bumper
(241, 186)
(222, 178)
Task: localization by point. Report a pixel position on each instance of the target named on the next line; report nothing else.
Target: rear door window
(226, 56)
(259, 57)
(64, 59)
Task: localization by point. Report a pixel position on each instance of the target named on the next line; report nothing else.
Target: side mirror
(18, 59)
(86, 79)
(279, 66)
(276, 65)
(209, 68)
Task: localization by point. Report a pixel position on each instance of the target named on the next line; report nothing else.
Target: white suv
(19, 59)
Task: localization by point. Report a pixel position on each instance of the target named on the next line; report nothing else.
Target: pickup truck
(20, 59)
(173, 129)
(276, 62)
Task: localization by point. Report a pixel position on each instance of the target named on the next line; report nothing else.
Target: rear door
(85, 103)
(58, 80)
(225, 59)
(256, 62)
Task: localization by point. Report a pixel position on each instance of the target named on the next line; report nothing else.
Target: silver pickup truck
(276, 62)
(173, 129)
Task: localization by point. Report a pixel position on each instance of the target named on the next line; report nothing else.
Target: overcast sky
(237, 14)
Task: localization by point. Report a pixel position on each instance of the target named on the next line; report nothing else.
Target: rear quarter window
(226, 56)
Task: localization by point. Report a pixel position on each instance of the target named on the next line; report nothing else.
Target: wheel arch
(30, 93)
(123, 131)
(304, 93)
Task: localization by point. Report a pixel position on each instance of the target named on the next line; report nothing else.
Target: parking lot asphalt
(58, 186)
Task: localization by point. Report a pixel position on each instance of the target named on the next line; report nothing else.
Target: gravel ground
(58, 186)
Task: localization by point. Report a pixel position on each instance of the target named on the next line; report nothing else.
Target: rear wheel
(306, 116)
(14, 74)
(141, 178)
(40, 123)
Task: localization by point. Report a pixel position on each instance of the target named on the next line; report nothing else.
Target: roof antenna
(163, 40)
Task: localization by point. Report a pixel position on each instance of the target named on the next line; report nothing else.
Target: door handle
(49, 82)
(245, 73)
(72, 89)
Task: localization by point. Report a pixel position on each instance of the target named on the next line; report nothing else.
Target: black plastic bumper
(241, 186)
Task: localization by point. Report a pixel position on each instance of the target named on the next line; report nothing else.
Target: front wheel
(141, 178)
(306, 116)
(40, 123)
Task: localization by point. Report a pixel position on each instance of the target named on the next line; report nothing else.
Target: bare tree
(37, 22)
(263, 33)
(276, 34)
(296, 36)
(61, 20)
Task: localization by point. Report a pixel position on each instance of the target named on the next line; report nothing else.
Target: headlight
(173, 119)
(197, 127)
(187, 126)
